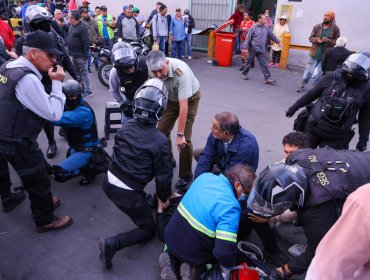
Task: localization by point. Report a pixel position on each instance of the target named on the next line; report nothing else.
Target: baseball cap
(125, 7)
(40, 39)
(135, 10)
(85, 2)
(103, 8)
(83, 10)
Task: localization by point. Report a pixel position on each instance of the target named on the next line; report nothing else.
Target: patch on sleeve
(178, 72)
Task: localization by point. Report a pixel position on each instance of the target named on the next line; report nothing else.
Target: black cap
(83, 10)
(41, 40)
(103, 8)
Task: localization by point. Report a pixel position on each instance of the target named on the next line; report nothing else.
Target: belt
(117, 182)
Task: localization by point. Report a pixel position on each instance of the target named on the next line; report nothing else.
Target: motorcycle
(104, 56)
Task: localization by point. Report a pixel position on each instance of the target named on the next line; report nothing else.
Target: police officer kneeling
(141, 153)
(342, 95)
(79, 122)
(315, 184)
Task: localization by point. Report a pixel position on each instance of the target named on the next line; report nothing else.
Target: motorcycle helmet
(38, 18)
(150, 101)
(124, 57)
(277, 188)
(73, 91)
(356, 68)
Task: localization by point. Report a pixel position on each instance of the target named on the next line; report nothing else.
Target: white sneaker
(297, 250)
(189, 57)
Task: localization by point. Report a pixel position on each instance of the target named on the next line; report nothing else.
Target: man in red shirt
(7, 34)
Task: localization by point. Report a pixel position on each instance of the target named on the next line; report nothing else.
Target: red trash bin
(224, 45)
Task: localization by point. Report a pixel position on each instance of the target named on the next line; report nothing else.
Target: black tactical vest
(129, 83)
(16, 121)
(76, 136)
(332, 174)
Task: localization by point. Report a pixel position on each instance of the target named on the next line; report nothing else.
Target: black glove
(361, 146)
(290, 112)
(127, 110)
(274, 275)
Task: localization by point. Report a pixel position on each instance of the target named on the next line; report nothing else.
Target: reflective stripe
(224, 235)
(194, 223)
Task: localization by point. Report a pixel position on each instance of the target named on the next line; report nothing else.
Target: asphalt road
(73, 253)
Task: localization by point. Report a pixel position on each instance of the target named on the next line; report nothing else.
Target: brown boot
(60, 222)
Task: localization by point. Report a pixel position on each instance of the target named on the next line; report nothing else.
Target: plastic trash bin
(224, 48)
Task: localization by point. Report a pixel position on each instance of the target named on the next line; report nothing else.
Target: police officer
(341, 96)
(79, 122)
(314, 183)
(24, 107)
(183, 101)
(141, 153)
(38, 18)
(129, 72)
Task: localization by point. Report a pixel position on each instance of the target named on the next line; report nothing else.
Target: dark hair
(75, 14)
(162, 7)
(97, 7)
(260, 16)
(297, 139)
(228, 122)
(264, 11)
(241, 173)
(159, 4)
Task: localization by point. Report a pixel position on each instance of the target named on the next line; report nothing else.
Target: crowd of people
(220, 204)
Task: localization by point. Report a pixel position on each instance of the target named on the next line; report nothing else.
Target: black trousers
(134, 205)
(29, 162)
(49, 132)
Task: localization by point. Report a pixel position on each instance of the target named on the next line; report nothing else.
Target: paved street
(73, 253)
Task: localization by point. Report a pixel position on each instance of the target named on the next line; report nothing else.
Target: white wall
(145, 6)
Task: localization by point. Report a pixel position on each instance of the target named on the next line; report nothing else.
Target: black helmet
(38, 18)
(72, 90)
(124, 56)
(150, 101)
(356, 68)
(278, 188)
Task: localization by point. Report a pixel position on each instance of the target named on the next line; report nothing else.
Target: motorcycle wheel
(103, 74)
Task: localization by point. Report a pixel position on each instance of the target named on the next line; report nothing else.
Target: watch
(180, 135)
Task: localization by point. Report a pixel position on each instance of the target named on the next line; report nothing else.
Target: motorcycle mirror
(119, 40)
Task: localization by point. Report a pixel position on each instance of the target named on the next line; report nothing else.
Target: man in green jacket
(106, 25)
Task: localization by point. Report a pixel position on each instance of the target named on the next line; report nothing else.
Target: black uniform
(333, 115)
(332, 176)
(141, 153)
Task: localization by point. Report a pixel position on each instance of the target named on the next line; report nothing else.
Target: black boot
(52, 150)
(87, 179)
(12, 200)
(108, 248)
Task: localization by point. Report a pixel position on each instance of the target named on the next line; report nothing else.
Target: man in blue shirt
(227, 145)
(177, 35)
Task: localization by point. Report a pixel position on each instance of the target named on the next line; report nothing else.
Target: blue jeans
(308, 71)
(96, 60)
(161, 40)
(81, 69)
(237, 43)
(76, 161)
(177, 49)
(188, 44)
(107, 42)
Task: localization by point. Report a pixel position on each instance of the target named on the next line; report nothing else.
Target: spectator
(5, 55)
(85, 4)
(279, 31)
(79, 47)
(323, 37)
(62, 22)
(244, 28)
(94, 37)
(227, 145)
(106, 25)
(177, 35)
(269, 22)
(237, 16)
(160, 27)
(154, 12)
(6, 33)
(128, 29)
(97, 12)
(336, 56)
(119, 21)
(256, 40)
(139, 18)
(189, 25)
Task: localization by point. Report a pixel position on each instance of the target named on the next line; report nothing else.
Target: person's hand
(319, 41)
(57, 75)
(155, 39)
(12, 54)
(275, 275)
(172, 38)
(361, 146)
(257, 219)
(290, 112)
(166, 38)
(324, 40)
(162, 205)
(181, 143)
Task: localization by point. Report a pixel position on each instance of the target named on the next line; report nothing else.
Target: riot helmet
(150, 101)
(124, 57)
(38, 18)
(73, 91)
(356, 68)
(277, 188)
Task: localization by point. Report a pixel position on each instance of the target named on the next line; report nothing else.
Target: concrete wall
(145, 6)
(351, 17)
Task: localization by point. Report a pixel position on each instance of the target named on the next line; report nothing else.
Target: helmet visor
(360, 59)
(124, 53)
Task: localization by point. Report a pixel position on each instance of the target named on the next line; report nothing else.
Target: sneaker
(165, 266)
(87, 94)
(11, 201)
(297, 250)
(189, 57)
(269, 81)
(60, 222)
(241, 68)
(245, 77)
(300, 88)
(271, 64)
(52, 150)
(185, 271)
